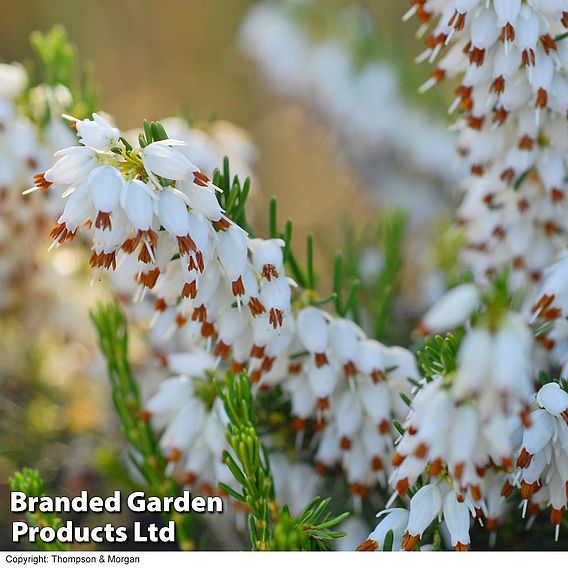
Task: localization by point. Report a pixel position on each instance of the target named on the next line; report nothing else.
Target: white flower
(72, 166)
(458, 511)
(452, 310)
(425, 506)
(165, 160)
(97, 133)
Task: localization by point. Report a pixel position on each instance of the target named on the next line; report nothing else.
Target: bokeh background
(152, 60)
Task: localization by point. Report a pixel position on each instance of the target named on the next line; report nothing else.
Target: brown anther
(237, 367)
(359, 489)
(480, 471)
(189, 290)
(475, 122)
(103, 221)
(160, 305)
(207, 329)
(564, 19)
(548, 43)
(458, 470)
(350, 369)
(409, 542)
(499, 233)
(377, 463)
(488, 198)
(528, 489)
(457, 21)
(528, 58)
(475, 493)
(321, 468)
(526, 417)
(402, 487)
(276, 318)
(186, 245)
(199, 314)
(546, 342)
(222, 224)
(257, 352)
(294, 368)
(61, 233)
(384, 427)
(477, 56)
(269, 272)
(238, 287)
(397, 459)
(541, 98)
(506, 490)
(345, 443)
(368, 546)
(556, 516)
(267, 364)
(174, 455)
(255, 376)
(439, 75)
(221, 350)
(255, 306)
(522, 205)
(507, 32)
(508, 175)
(557, 195)
(500, 115)
(377, 375)
(460, 547)
(180, 320)
(190, 478)
(144, 415)
(507, 464)
(421, 451)
(321, 359)
(518, 263)
(41, 183)
(436, 467)
(199, 178)
(526, 143)
(148, 279)
(298, 424)
(422, 329)
(491, 524)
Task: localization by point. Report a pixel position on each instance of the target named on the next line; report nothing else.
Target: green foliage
(250, 466)
(439, 354)
(145, 452)
(30, 482)
(153, 131)
(271, 527)
(58, 65)
(388, 284)
(234, 196)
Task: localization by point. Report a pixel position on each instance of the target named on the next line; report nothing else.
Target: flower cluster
(192, 423)
(459, 439)
(152, 209)
(25, 149)
(510, 60)
(543, 456)
(154, 203)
